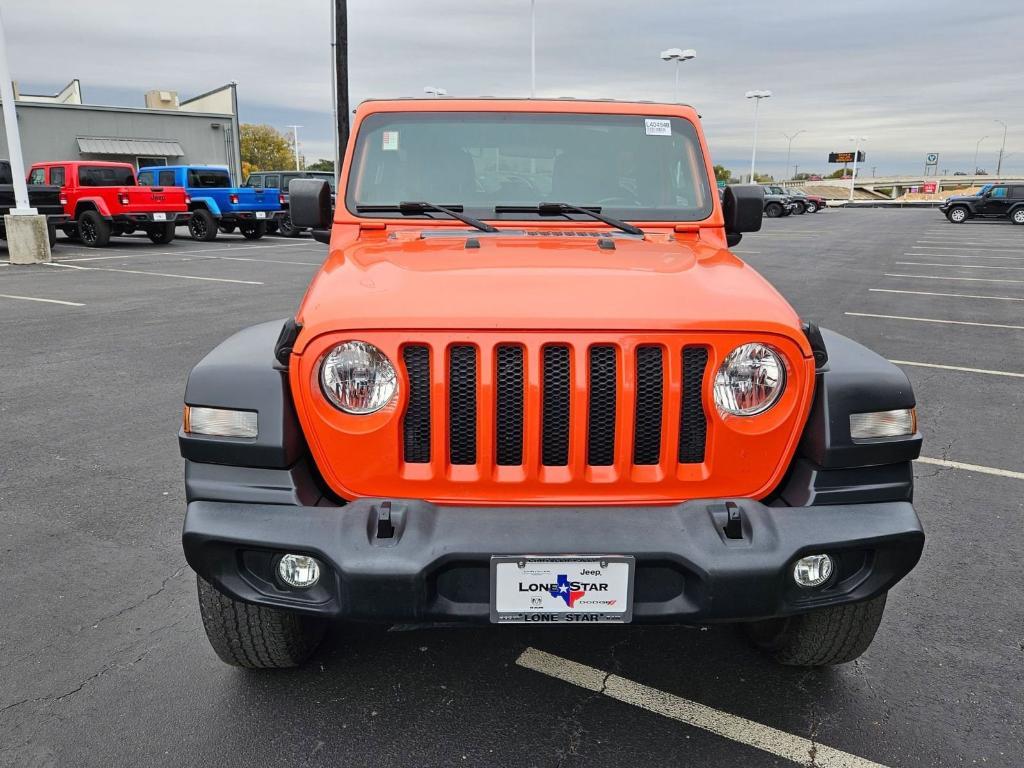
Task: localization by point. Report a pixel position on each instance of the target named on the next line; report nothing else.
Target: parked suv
(778, 202)
(804, 203)
(531, 384)
(994, 201)
(104, 199)
(216, 204)
(281, 180)
(45, 198)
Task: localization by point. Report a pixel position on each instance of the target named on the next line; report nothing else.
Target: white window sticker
(658, 127)
(390, 143)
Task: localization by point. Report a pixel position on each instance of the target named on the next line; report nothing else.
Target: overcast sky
(914, 76)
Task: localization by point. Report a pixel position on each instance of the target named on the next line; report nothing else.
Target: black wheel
(51, 234)
(93, 229)
(227, 229)
(958, 214)
(253, 231)
(285, 227)
(202, 226)
(161, 235)
(812, 207)
(773, 210)
(800, 209)
(821, 638)
(1017, 217)
(254, 636)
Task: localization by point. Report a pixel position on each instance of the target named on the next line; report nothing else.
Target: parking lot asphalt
(103, 661)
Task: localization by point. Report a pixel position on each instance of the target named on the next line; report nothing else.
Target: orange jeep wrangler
(531, 384)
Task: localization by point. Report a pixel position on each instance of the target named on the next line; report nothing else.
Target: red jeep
(104, 199)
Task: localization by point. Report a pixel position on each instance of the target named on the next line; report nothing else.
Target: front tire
(812, 207)
(958, 214)
(161, 235)
(254, 636)
(800, 209)
(93, 230)
(253, 231)
(773, 210)
(202, 226)
(1017, 217)
(821, 638)
(285, 227)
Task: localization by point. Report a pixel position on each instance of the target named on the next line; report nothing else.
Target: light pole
(977, 147)
(790, 147)
(1002, 150)
(856, 152)
(757, 96)
(533, 48)
(295, 140)
(436, 92)
(678, 55)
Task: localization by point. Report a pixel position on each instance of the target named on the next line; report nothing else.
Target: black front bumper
(436, 566)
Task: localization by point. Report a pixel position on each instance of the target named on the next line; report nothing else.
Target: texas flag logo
(565, 591)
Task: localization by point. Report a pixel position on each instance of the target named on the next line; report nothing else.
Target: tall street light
(295, 139)
(789, 147)
(678, 55)
(977, 147)
(856, 152)
(433, 90)
(1002, 150)
(757, 96)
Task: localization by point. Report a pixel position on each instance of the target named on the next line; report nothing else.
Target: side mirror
(743, 207)
(309, 203)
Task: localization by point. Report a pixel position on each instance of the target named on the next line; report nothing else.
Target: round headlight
(750, 380)
(358, 378)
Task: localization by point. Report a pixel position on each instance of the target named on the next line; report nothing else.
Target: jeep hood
(539, 280)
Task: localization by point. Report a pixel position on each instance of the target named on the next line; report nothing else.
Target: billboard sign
(845, 157)
(932, 158)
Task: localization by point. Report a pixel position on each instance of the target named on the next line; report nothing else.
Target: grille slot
(555, 407)
(693, 427)
(462, 380)
(416, 425)
(509, 408)
(602, 403)
(650, 379)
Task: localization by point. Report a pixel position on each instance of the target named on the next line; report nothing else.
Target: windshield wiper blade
(414, 208)
(561, 209)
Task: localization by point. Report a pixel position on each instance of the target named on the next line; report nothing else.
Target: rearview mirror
(309, 202)
(743, 207)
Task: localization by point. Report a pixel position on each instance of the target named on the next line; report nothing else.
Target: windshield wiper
(414, 208)
(561, 209)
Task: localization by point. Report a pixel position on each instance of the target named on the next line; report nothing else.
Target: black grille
(601, 417)
(693, 426)
(417, 416)
(649, 389)
(462, 405)
(509, 411)
(555, 408)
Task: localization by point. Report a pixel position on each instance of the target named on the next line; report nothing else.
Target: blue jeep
(216, 205)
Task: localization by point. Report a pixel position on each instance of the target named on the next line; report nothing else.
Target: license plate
(261, 214)
(159, 217)
(566, 589)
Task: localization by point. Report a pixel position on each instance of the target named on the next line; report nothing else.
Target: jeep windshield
(633, 167)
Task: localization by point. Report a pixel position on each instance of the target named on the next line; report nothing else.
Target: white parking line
(186, 252)
(157, 274)
(933, 320)
(972, 467)
(958, 266)
(45, 301)
(958, 368)
(960, 247)
(920, 254)
(950, 295)
(264, 261)
(738, 729)
(947, 277)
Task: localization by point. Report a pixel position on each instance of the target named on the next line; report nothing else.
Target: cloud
(916, 76)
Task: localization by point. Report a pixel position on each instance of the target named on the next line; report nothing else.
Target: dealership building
(166, 131)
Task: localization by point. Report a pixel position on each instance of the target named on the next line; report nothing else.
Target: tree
(321, 165)
(842, 173)
(723, 174)
(265, 148)
(763, 178)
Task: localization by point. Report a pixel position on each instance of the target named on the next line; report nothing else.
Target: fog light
(813, 570)
(220, 422)
(882, 424)
(299, 571)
